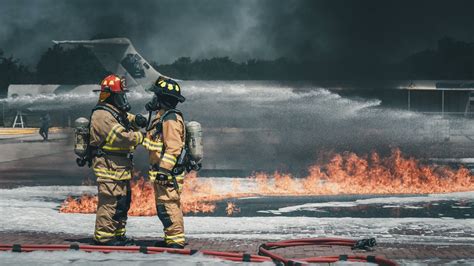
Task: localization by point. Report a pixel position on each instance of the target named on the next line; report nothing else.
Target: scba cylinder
(81, 136)
(194, 140)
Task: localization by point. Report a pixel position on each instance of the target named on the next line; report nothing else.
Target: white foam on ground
(112, 259)
(35, 209)
(436, 261)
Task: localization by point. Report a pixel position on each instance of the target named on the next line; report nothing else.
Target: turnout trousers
(169, 212)
(114, 202)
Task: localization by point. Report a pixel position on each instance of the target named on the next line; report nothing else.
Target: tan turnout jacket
(107, 133)
(165, 148)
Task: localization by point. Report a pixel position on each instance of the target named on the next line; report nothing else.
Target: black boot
(113, 242)
(118, 241)
(125, 240)
(176, 246)
(160, 243)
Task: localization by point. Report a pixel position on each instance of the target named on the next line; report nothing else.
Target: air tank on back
(81, 136)
(194, 140)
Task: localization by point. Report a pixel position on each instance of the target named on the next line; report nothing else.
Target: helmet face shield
(121, 101)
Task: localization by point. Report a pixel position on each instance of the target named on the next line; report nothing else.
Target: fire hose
(264, 252)
(365, 244)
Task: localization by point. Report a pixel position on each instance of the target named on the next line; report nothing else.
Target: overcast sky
(165, 30)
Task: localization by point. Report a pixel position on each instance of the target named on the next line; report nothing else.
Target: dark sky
(164, 30)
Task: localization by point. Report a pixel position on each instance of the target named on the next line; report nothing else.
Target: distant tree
(181, 68)
(216, 68)
(12, 71)
(224, 68)
(69, 66)
(451, 60)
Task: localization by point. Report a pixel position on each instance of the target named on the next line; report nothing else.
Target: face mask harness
(121, 102)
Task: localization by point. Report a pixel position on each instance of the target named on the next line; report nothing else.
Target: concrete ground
(30, 154)
(401, 253)
(17, 145)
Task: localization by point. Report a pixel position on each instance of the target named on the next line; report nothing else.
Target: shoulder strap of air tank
(170, 111)
(114, 113)
(120, 119)
(159, 125)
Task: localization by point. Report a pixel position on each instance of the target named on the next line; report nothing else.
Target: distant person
(44, 129)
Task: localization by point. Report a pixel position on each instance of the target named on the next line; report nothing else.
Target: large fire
(345, 173)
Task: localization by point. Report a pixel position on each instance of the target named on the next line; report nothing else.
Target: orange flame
(231, 208)
(345, 173)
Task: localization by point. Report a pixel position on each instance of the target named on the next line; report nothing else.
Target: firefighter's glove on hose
(141, 121)
(162, 178)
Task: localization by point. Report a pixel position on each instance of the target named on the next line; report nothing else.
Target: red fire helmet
(113, 83)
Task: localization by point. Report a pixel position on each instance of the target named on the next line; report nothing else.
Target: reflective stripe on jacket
(165, 148)
(106, 132)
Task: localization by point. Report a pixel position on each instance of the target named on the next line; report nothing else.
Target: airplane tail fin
(119, 56)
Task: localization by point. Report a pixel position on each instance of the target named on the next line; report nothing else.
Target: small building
(444, 97)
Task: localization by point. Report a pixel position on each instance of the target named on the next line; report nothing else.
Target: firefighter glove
(162, 178)
(141, 121)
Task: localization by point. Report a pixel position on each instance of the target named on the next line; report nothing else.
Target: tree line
(55, 66)
(451, 59)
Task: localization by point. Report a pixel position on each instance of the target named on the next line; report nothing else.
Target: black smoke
(349, 32)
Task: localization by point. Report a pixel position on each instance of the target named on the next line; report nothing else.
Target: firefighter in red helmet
(114, 134)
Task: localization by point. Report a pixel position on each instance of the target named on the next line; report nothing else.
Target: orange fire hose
(264, 253)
